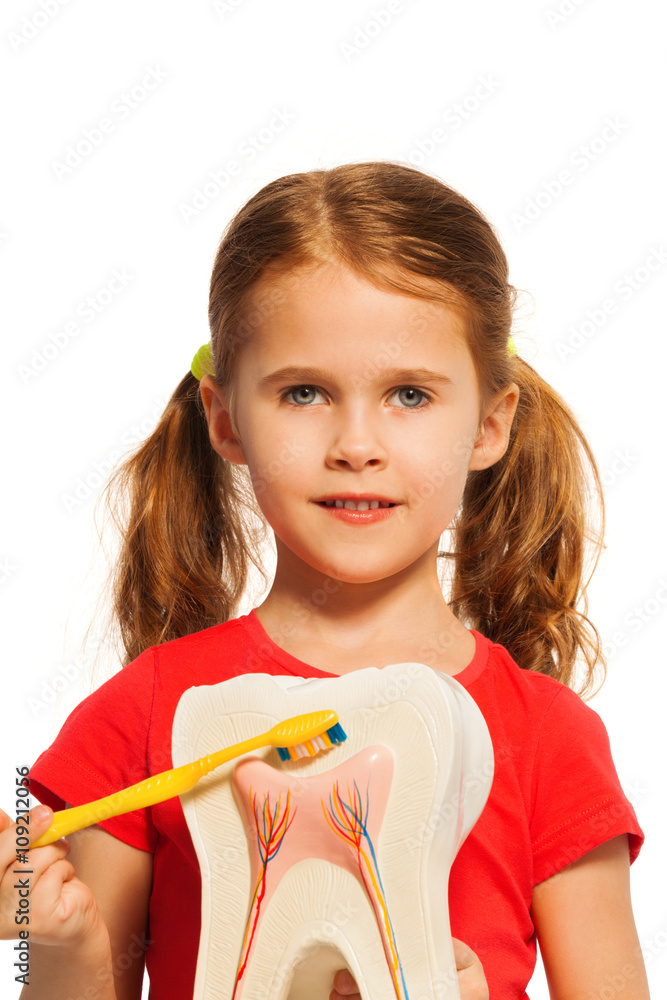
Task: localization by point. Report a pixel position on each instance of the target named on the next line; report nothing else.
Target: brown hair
(519, 538)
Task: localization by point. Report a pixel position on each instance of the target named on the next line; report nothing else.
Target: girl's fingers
(13, 835)
(29, 827)
(15, 875)
(345, 988)
(41, 818)
(472, 981)
(46, 903)
(63, 908)
(52, 880)
(39, 859)
(463, 955)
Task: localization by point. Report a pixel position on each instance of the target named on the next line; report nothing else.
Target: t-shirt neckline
(263, 641)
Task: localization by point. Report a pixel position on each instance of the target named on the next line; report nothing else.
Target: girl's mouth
(358, 512)
(357, 504)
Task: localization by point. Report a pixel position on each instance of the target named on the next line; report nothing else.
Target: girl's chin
(355, 571)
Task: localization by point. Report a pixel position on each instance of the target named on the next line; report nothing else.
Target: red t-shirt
(555, 792)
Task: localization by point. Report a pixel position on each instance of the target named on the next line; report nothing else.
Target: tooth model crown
(339, 860)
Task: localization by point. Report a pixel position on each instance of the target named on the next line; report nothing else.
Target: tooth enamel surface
(338, 860)
(357, 505)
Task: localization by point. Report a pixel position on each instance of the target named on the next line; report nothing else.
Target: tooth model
(340, 860)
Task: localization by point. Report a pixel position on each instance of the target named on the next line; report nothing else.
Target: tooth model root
(340, 860)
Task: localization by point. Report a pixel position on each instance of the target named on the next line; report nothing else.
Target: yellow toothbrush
(300, 736)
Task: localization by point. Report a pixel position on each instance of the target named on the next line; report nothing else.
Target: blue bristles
(337, 734)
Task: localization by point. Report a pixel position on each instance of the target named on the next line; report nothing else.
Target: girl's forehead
(334, 301)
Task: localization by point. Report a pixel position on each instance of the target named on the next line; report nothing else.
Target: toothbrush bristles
(336, 734)
(310, 748)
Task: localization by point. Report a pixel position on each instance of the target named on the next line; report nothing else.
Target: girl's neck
(341, 627)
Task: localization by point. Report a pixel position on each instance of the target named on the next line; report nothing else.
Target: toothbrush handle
(157, 788)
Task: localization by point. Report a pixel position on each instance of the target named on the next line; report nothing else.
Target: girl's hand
(61, 910)
(472, 981)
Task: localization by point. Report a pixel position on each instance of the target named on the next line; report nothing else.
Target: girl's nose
(355, 443)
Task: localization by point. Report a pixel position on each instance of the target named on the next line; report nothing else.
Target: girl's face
(345, 389)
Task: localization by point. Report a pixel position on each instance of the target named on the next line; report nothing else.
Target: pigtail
(521, 539)
(184, 515)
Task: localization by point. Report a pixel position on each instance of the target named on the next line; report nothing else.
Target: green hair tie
(511, 346)
(202, 363)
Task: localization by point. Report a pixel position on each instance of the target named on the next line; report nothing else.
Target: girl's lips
(358, 516)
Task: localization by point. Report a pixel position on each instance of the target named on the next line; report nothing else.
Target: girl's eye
(305, 395)
(300, 394)
(412, 398)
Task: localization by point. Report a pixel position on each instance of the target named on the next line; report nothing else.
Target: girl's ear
(494, 432)
(224, 438)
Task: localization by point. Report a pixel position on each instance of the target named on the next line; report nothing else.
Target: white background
(538, 89)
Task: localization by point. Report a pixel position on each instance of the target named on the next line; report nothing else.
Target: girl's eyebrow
(293, 373)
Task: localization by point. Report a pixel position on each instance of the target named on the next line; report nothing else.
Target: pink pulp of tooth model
(335, 816)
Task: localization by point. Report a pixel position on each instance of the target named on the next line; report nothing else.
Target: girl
(360, 359)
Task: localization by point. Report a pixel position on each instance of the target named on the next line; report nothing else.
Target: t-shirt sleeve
(578, 801)
(102, 748)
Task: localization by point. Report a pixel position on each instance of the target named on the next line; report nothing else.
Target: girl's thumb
(41, 817)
